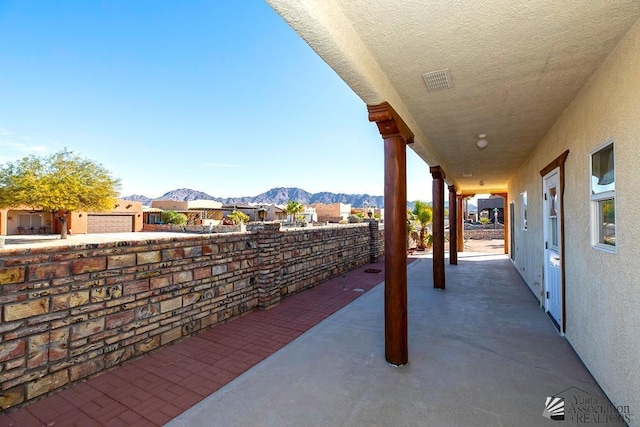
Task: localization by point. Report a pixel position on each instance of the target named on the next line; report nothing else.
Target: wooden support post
(461, 219)
(438, 226)
(396, 135)
(453, 226)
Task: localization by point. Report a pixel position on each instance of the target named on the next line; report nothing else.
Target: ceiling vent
(438, 80)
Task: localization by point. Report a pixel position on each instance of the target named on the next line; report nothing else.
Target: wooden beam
(453, 226)
(460, 218)
(396, 135)
(438, 176)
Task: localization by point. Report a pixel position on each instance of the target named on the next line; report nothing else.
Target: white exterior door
(552, 221)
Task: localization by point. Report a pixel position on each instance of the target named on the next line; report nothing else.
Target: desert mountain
(278, 196)
(146, 201)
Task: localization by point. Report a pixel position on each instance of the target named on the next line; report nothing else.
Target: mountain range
(278, 196)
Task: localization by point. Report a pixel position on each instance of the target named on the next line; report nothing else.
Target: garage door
(109, 223)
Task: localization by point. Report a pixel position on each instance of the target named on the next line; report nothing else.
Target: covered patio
(481, 353)
(530, 101)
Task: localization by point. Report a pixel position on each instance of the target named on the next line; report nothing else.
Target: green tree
(293, 208)
(61, 183)
(173, 217)
(238, 217)
(423, 214)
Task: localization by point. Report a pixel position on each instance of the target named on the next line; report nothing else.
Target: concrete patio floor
(481, 352)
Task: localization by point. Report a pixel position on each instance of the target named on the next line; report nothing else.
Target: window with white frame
(603, 198)
(523, 210)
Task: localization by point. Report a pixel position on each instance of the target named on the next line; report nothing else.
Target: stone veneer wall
(309, 256)
(70, 312)
(484, 234)
(199, 229)
(376, 247)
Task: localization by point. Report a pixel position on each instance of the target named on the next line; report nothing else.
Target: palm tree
(293, 208)
(423, 213)
(412, 235)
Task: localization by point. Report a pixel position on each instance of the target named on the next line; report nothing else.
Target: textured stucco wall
(602, 289)
(3, 222)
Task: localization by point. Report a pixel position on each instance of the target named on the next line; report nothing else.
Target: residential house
(309, 214)
(126, 216)
(271, 212)
(538, 102)
(370, 212)
(489, 207)
(151, 215)
(210, 212)
(332, 212)
(198, 212)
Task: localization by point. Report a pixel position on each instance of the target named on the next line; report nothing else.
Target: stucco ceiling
(515, 66)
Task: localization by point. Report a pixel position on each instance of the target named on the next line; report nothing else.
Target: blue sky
(218, 96)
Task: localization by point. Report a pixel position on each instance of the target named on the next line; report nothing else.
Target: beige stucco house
(210, 212)
(198, 212)
(332, 212)
(125, 216)
(536, 101)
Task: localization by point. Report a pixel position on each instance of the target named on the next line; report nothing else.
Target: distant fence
(483, 234)
(198, 229)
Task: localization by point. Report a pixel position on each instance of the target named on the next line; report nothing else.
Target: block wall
(483, 234)
(312, 255)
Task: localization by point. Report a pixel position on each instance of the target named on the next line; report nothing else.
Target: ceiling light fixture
(481, 183)
(482, 142)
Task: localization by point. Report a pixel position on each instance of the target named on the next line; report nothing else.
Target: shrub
(173, 217)
(238, 217)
